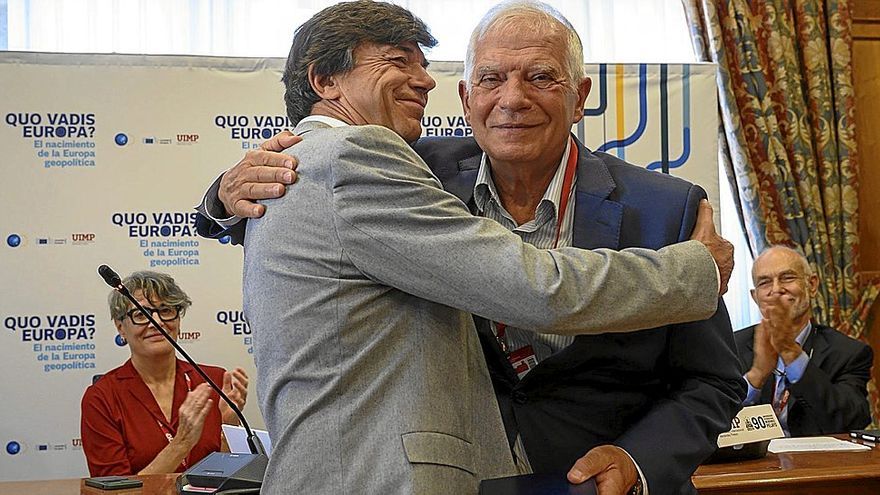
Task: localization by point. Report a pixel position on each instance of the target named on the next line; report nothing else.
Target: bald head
(783, 278)
(787, 255)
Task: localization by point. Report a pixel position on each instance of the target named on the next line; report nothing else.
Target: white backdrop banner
(104, 157)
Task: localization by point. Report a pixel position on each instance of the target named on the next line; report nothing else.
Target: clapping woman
(155, 413)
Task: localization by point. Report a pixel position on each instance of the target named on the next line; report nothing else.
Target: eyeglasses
(166, 313)
(765, 284)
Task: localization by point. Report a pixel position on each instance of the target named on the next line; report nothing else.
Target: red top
(123, 428)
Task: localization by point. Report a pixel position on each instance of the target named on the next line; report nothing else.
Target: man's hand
(235, 384)
(612, 467)
(765, 358)
(721, 250)
(782, 323)
(261, 174)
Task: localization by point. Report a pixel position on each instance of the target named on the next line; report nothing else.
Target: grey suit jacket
(358, 287)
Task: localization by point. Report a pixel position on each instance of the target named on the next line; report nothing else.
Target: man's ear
(754, 295)
(465, 101)
(326, 87)
(583, 91)
(813, 281)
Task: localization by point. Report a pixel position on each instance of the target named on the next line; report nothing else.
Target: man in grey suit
(358, 287)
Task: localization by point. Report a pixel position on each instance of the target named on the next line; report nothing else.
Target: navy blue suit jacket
(664, 395)
(831, 396)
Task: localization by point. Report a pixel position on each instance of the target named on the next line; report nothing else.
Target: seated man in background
(815, 377)
(653, 400)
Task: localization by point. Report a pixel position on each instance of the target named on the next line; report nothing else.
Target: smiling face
(388, 86)
(521, 103)
(782, 278)
(145, 340)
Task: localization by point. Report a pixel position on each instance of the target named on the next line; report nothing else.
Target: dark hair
(327, 41)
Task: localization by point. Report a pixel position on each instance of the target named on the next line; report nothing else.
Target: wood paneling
(866, 81)
(866, 10)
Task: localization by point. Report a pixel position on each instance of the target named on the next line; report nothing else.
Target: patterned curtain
(787, 105)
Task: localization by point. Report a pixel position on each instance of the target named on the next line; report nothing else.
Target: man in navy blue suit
(640, 411)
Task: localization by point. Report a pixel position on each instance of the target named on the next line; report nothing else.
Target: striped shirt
(539, 232)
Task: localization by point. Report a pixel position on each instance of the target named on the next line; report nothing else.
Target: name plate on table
(752, 424)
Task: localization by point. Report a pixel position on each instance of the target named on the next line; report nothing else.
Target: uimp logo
(120, 341)
(13, 240)
(187, 138)
(80, 238)
(189, 336)
(76, 443)
(120, 139)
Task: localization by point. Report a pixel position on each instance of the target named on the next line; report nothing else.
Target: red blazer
(123, 428)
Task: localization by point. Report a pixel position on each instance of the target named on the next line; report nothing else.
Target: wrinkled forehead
(410, 49)
(778, 262)
(519, 52)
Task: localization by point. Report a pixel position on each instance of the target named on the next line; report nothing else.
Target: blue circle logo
(60, 131)
(121, 139)
(120, 341)
(14, 240)
(165, 230)
(266, 133)
(225, 239)
(13, 448)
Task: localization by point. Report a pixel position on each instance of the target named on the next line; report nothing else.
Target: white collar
(332, 122)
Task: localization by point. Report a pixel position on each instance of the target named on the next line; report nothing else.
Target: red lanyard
(570, 170)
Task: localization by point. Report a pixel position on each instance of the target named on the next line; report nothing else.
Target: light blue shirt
(791, 373)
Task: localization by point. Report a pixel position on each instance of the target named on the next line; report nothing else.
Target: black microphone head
(109, 276)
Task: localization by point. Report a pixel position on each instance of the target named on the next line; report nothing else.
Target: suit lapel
(597, 219)
(462, 184)
(816, 346)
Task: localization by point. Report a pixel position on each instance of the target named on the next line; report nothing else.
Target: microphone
(219, 470)
(111, 277)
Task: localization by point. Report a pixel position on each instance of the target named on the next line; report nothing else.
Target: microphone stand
(210, 471)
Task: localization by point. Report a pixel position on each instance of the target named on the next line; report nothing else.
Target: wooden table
(814, 473)
(154, 484)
